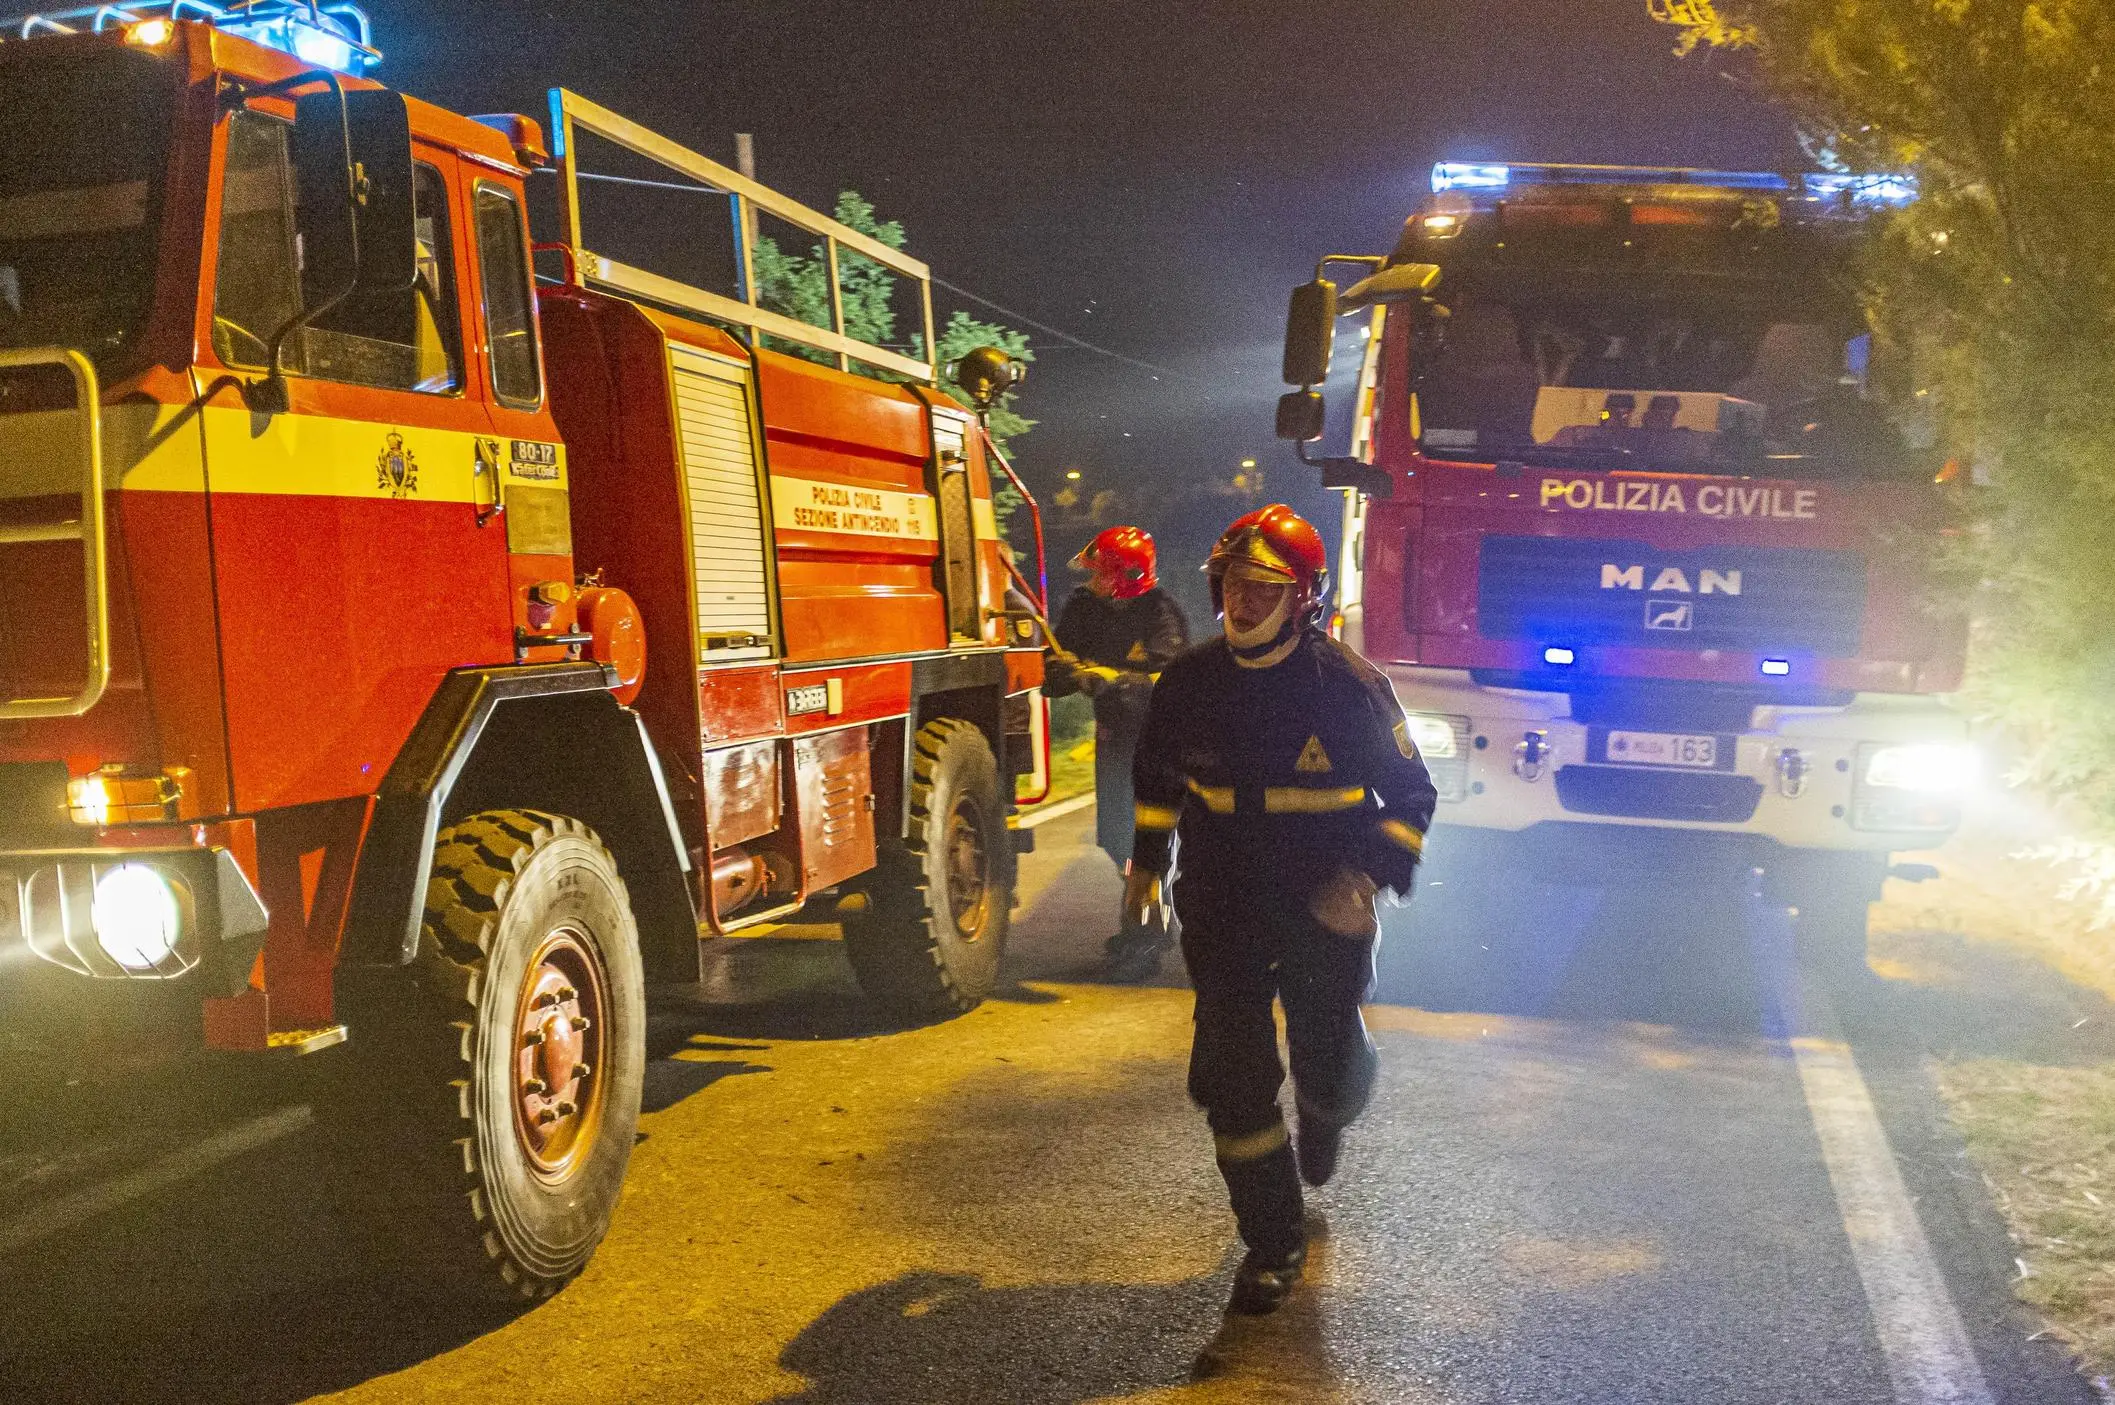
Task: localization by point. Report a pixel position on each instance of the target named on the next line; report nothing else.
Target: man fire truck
(403, 653)
(1642, 526)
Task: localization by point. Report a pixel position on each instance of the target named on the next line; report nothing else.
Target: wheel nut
(533, 1038)
(566, 992)
(544, 1001)
(581, 1071)
(535, 1088)
(580, 1024)
(546, 1118)
(567, 1109)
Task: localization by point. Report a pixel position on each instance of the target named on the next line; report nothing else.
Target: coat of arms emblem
(396, 471)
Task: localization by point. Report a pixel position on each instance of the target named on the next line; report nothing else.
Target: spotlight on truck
(138, 916)
(1926, 766)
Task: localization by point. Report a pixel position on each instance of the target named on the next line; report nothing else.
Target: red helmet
(1274, 543)
(1121, 560)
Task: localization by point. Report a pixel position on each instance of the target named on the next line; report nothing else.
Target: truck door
(522, 467)
(353, 566)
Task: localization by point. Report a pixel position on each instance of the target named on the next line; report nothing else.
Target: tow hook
(1792, 769)
(1531, 755)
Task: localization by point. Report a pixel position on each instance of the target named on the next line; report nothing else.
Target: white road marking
(1041, 815)
(1930, 1360)
(77, 1207)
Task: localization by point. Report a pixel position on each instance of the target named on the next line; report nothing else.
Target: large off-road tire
(487, 1111)
(1832, 904)
(926, 936)
(1830, 932)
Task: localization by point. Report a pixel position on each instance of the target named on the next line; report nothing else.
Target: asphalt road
(1620, 1152)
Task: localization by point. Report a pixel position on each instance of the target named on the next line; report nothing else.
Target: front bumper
(47, 911)
(1524, 761)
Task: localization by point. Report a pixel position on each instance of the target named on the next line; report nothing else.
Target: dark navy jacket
(1126, 642)
(1278, 777)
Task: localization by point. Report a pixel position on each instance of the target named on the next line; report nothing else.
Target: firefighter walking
(1284, 761)
(1115, 634)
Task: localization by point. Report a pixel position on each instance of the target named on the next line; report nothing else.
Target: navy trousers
(1248, 950)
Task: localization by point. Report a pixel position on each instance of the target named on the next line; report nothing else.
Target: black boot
(1265, 1193)
(1317, 1147)
(1134, 954)
(1261, 1284)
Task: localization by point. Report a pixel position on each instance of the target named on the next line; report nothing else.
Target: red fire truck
(406, 653)
(1643, 528)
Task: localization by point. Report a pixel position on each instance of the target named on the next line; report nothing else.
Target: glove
(1144, 904)
(1344, 904)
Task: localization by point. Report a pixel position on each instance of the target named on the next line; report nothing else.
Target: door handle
(484, 482)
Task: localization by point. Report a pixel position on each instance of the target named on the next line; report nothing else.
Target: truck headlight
(1914, 787)
(1435, 736)
(1443, 742)
(1926, 766)
(138, 916)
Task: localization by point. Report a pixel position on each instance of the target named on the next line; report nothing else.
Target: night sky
(1152, 177)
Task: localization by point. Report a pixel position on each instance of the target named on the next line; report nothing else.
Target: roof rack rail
(330, 35)
(571, 113)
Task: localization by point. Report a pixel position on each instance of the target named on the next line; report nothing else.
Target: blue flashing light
(1465, 175)
(1476, 175)
(1560, 656)
(323, 33)
(1777, 668)
(1880, 190)
(332, 37)
(321, 48)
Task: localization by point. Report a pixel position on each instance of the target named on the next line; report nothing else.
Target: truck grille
(1638, 793)
(1569, 590)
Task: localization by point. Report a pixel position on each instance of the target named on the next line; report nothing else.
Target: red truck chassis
(409, 652)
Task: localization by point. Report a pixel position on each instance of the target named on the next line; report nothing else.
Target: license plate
(1662, 749)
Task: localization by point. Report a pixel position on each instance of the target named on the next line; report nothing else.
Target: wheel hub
(559, 1054)
(968, 869)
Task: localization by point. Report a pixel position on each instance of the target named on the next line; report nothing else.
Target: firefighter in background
(1115, 634)
(1283, 760)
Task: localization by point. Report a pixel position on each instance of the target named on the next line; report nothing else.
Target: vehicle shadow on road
(239, 1293)
(1951, 995)
(929, 1336)
(1576, 952)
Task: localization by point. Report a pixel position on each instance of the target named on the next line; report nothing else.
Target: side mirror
(1404, 282)
(1301, 415)
(351, 153)
(353, 212)
(1310, 333)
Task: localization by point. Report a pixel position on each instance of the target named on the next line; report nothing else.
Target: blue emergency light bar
(1464, 175)
(1861, 192)
(334, 36)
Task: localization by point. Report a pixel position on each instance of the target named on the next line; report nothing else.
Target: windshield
(83, 140)
(1669, 384)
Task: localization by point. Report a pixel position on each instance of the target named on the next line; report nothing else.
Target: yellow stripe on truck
(320, 456)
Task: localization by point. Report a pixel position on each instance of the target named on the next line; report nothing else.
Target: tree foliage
(1701, 25)
(1999, 281)
(797, 285)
